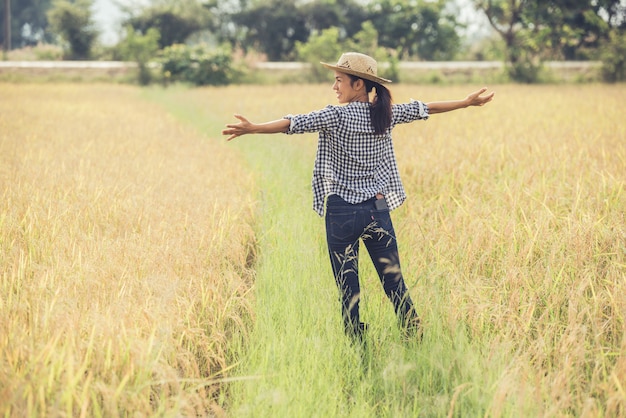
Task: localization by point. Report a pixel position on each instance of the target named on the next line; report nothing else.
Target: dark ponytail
(380, 111)
(381, 108)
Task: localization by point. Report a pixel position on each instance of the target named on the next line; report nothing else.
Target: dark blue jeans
(346, 224)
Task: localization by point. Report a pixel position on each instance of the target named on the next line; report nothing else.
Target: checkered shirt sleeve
(352, 161)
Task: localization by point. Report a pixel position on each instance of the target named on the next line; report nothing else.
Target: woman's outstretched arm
(473, 99)
(246, 127)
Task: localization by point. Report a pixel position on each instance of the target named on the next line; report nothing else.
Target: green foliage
(524, 64)
(487, 49)
(174, 28)
(416, 28)
(40, 52)
(513, 22)
(366, 42)
(274, 27)
(72, 21)
(141, 49)
(614, 58)
(28, 22)
(198, 65)
(534, 30)
(327, 46)
(412, 28)
(346, 15)
(524, 71)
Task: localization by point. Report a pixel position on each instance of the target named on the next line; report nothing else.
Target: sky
(107, 16)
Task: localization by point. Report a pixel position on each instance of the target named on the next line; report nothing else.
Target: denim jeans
(346, 225)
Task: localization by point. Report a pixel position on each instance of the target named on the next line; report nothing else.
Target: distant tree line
(528, 31)
(534, 30)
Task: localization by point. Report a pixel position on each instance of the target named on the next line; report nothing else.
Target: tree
(173, 28)
(198, 64)
(535, 29)
(220, 21)
(328, 45)
(176, 20)
(29, 23)
(140, 48)
(72, 21)
(273, 27)
(366, 41)
(345, 15)
(6, 42)
(577, 29)
(416, 28)
(614, 57)
(512, 20)
(325, 46)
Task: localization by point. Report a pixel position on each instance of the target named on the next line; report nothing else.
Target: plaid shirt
(352, 161)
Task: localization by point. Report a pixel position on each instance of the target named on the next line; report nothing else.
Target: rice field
(126, 250)
(151, 269)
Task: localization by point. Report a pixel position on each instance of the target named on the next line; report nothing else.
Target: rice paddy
(151, 268)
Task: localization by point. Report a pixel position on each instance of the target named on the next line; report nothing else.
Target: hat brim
(366, 76)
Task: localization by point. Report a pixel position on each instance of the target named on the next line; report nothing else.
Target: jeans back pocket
(341, 225)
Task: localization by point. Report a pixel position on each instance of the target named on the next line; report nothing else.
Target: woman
(356, 174)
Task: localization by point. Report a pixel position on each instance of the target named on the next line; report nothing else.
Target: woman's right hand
(238, 129)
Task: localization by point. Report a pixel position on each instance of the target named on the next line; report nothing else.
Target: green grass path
(296, 361)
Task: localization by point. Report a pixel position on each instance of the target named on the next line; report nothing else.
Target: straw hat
(360, 65)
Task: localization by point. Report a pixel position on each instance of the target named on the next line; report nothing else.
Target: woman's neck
(361, 98)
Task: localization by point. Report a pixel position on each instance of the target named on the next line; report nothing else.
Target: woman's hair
(380, 111)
